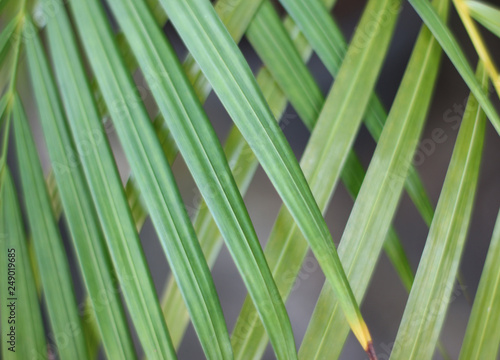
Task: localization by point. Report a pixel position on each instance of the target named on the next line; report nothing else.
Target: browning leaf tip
(370, 350)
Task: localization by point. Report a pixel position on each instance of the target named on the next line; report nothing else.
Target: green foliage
(486, 14)
(431, 291)
(80, 74)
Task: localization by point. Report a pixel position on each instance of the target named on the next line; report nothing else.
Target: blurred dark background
(385, 300)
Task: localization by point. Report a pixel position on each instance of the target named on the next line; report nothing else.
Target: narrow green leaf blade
(207, 230)
(204, 156)
(482, 338)
(105, 186)
(51, 258)
(23, 334)
(374, 209)
(236, 16)
(239, 154)
(457, 57)
(80, 214)
(277, 51)
(152, 173)
(6, 36)
(231, 78)
(397, 256)
(353, 176)
(486, 14)
(243, 164)
(322, 163)
(272, 43)
(426, 307)
(327, 40)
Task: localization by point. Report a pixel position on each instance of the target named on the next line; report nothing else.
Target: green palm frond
(74, 222)
(482, 338)
(52, 262)
(429, 296)
(486, 14)
(79, 210)
(379, 196)
(229, 74)
(20, 283)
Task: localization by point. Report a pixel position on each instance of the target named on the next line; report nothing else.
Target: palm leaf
(326, 39)
(379, 196)
(247, 335)
(457, 57)
(177, 236)
(52, 261)
(177, 314)
(80, 214)
(231, 78)
(322, 182)
(431, 291)
(107, 192)
(27, 326)
(197, 141)
(93, 74)
(243, 164)
(486, 14)
(482, 338)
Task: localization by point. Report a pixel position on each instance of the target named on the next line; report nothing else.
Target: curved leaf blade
(429, 298)
(204, 157)
(231, 78)
(49, 250)
(457, 57)
(15, 262)
(80, 214)
(151, 171)
(277, 51)
(486, 14)
(375, 207)
(105, 186)
(482, 337)
(327, 40)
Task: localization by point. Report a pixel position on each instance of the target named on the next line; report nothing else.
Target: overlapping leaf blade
(232, 80)
(282, 58)
(270, 39)
(154, 177)
(486, 14)
(452, 48)
(326, 39)
(332, 138)
(105, 186)
(80, 214)
(429, 298)
(26, 329)
(204, 156)
(237, 149)
(379, 196)
(243, 165)
(49, 250)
